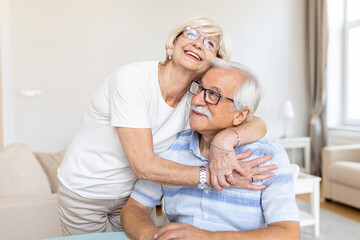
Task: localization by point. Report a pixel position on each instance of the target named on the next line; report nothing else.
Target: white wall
(67, 48)
(6, 84)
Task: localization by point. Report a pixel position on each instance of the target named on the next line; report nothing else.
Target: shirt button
(206, 191)
(206, 216)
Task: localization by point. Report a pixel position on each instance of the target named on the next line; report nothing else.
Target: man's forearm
(278, 231)
(137, 223)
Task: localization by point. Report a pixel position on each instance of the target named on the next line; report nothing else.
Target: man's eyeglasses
(210, 96)
(193, 34)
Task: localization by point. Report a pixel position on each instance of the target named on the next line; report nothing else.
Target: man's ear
(240, 116)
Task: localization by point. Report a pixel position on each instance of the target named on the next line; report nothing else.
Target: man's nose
(199, 99)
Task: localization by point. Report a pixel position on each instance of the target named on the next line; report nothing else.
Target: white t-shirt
(95, 165)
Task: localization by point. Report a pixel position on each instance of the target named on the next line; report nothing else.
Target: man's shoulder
(265, 142)
(263, 146)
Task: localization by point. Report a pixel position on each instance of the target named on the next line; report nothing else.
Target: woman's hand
(252, 172)
(223, 163)
(224, 166)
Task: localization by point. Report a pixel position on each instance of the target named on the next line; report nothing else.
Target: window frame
(348, 25)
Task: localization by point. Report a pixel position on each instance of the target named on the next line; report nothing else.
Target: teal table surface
(94, 236)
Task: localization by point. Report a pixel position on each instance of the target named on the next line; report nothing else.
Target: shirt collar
(194, 145)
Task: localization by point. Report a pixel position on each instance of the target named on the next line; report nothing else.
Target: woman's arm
(249, 132)
(223, 163)
(138, 146)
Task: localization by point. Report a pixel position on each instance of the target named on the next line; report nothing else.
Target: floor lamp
(288, 114)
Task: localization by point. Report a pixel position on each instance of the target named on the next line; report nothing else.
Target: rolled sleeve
(147, 193)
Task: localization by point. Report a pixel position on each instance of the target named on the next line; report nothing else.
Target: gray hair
(248, 95)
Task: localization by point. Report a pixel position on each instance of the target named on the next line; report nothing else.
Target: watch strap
(202, 183)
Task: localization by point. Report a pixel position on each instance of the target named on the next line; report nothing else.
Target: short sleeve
(129, 97)
(147, 193)
(278, 199)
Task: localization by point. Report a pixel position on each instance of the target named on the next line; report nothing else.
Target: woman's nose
(199, 43)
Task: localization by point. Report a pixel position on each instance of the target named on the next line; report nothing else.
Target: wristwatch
(202, 184)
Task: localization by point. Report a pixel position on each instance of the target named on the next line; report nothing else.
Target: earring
(170, 57)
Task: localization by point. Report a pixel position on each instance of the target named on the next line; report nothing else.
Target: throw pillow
(21, 173)
(50, 163)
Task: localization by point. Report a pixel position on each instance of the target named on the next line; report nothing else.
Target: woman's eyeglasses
(193, 34)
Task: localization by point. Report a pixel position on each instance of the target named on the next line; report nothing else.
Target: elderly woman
(133, 117)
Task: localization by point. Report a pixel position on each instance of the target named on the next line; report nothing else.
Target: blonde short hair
(204, 25)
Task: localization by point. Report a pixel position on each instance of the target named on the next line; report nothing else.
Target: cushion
(50, 163)
(21, 173)
(344, 172)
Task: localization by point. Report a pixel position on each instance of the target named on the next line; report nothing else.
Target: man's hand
(224, 164)
(181, 231)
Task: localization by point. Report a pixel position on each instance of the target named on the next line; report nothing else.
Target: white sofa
(341, 174)
(28, 198)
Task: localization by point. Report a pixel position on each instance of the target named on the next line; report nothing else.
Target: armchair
(341, 174)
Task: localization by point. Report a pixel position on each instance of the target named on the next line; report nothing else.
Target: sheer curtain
(317, 42)
(1, 109)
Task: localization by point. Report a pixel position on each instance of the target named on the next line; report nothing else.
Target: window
(352, 63)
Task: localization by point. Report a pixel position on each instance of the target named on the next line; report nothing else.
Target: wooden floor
(341, 209)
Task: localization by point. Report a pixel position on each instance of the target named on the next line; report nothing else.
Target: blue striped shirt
(230, 209)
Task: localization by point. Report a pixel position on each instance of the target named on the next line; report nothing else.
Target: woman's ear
(240, 116)
(170, 51)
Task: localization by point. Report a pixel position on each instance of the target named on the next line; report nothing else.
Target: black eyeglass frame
(207, 90)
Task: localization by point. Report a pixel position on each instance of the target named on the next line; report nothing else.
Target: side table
(306, 183)
(297, 143)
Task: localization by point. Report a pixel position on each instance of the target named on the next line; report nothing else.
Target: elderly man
(227, 96)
